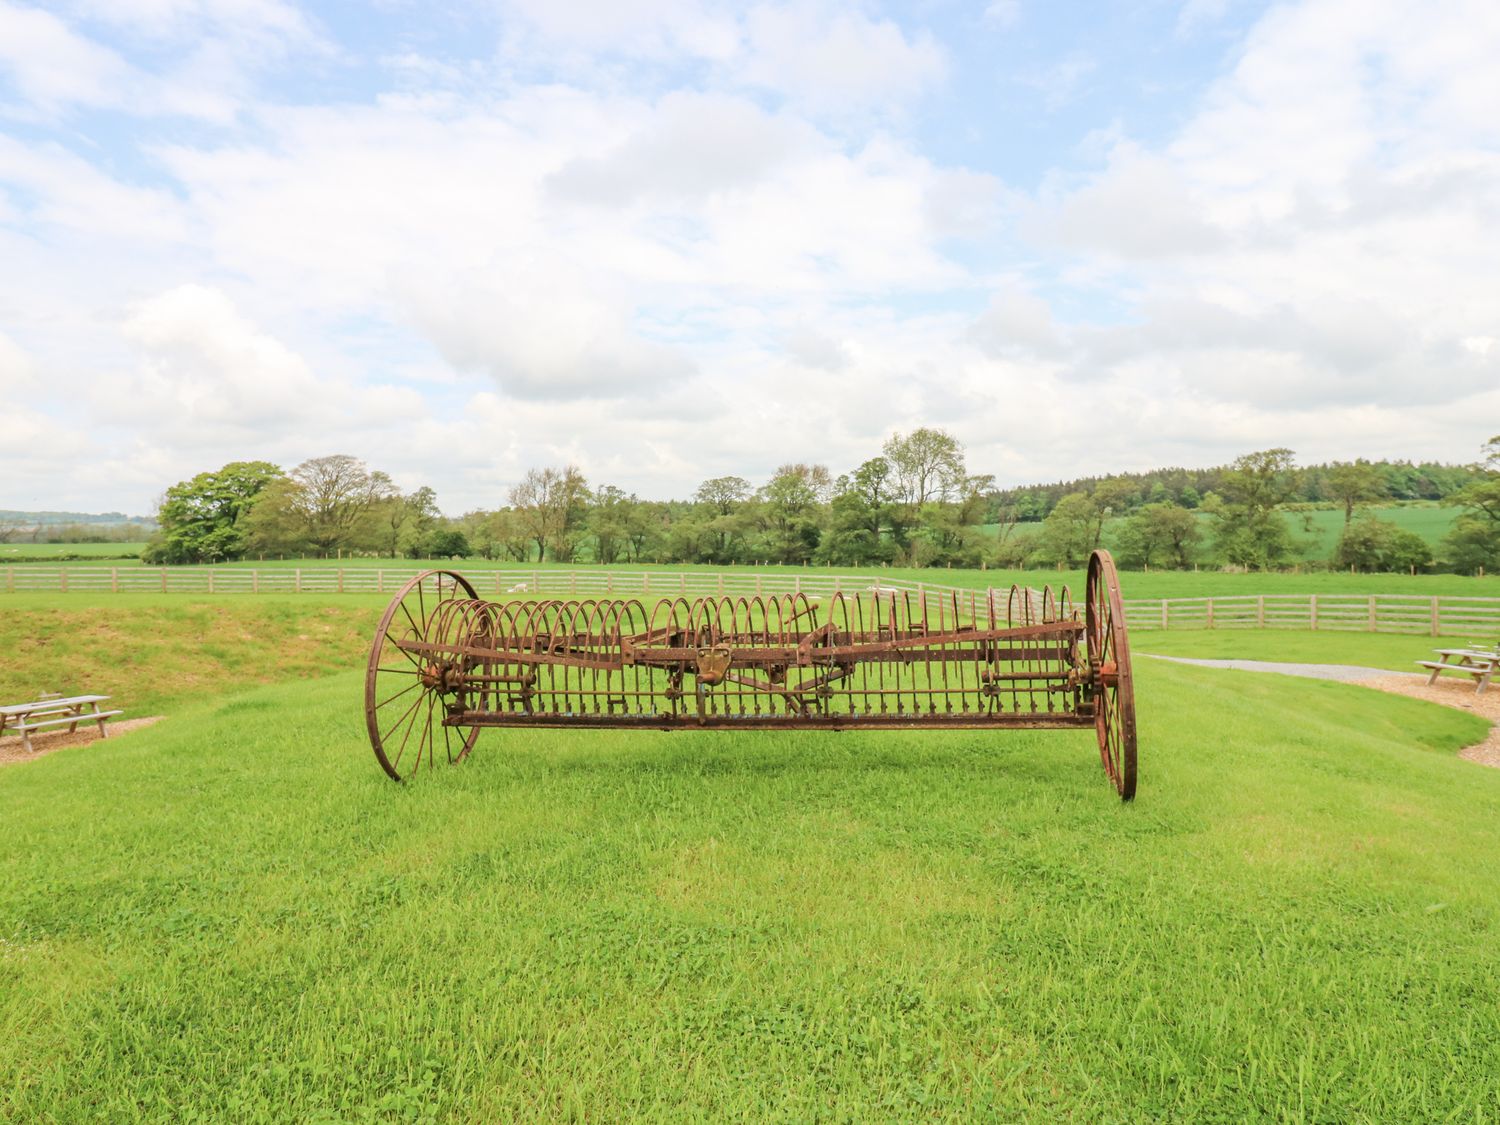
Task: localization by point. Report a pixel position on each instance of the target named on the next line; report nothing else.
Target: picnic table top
(50, 704)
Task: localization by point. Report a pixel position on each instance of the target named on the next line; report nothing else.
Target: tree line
(1241, 521)
(915, 504)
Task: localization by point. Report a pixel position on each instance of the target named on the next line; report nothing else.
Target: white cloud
(16, 368)
(543, 329)
(53, 67)
(1003, 13)
(835, 61)
(1319, 234)
(637, 230)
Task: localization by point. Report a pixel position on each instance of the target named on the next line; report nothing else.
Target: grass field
(1136, 584)
(45, 552)
(1316, 533)
(234, 916)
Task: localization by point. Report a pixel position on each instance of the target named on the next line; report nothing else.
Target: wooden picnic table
(1480, 664)
(69, 712)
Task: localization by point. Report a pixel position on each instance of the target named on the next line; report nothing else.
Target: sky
(668, 240)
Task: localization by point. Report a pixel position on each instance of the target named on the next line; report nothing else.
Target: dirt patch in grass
(13, 751)
(1453, 693)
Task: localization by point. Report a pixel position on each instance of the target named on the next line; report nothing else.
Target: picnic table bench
(69, 712)
(1478, 664)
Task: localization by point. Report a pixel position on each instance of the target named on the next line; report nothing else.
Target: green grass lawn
(233, 915)
(1369, 650)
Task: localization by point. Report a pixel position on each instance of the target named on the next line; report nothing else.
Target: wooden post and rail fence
(1371, 613)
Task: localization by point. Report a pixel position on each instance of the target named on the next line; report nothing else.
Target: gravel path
(13, 750)
(1347, 673)
(1450, 692)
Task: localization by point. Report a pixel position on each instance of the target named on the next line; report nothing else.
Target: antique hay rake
(446, 663)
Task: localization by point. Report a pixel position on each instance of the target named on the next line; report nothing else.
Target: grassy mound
(234, 915)
(151, 652)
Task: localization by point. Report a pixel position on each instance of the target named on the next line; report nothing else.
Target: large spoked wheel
(416, 673)
(1110, 676)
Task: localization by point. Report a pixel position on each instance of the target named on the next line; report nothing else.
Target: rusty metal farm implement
(446, 663)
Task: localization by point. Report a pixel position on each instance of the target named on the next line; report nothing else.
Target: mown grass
(234, 916)
(1369, 650)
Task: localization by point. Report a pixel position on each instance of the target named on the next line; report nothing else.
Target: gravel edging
(13, 751)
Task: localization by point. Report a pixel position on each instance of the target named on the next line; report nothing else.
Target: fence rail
(498, 583)
(1365, 613)
(1373, 613)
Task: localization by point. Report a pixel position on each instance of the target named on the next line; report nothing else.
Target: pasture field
(39, 552)
(233, 915)
(1135, 584)
(1316, 533)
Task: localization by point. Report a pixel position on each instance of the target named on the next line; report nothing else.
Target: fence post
(797, 584)
(682, 579)
(1436, 617)
(573, 582)
(497, 582)
(1164, 613)
(114, 580)
(1312, 612)
(163, 580)
(1372, 613)
(297, 580)
(1210, 613)
(757, 585)
(379, 580)
(609, 582)
(536, 582)
(645, 581)
(255, 581)
(341, 580)
(10, 580)
(62, 579)
(210, 580)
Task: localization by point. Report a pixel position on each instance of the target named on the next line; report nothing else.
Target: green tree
(445, 543)
(1351, 482)
(552, 504)
(1071, 531)
(789, 515)
(722, 524)
(926, 464)
(1159, 534)
(1251, 532)
(1376, 545)
(202, 520)
(1474, 541)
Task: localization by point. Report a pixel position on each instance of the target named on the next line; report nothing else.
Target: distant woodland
(916, 503)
